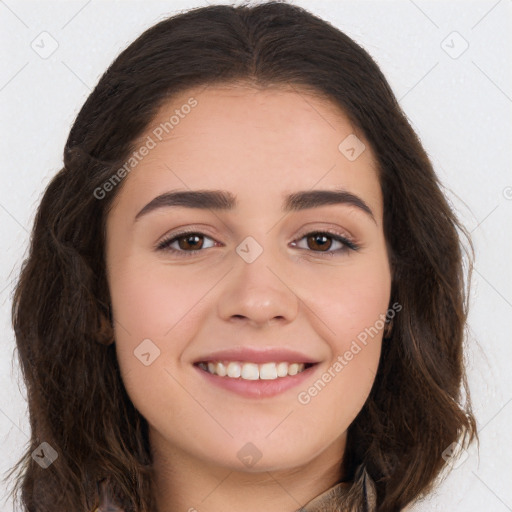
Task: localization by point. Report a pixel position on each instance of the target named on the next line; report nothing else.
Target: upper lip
(257, 355)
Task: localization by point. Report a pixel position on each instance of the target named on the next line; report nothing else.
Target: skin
(258, 144)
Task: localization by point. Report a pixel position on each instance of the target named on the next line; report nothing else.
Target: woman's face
(262, 271)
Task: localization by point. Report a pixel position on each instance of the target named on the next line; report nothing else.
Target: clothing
(361, 493)
(337, 498)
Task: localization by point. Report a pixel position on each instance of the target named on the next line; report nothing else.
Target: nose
(259, 293)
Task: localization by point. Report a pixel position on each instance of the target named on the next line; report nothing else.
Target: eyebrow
(226, 201)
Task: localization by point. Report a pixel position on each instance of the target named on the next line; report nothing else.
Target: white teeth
(250, 371)
(282, 369)
(253, 371)
(219, 369)
(234, 370)
(268, 371)
(293, 369)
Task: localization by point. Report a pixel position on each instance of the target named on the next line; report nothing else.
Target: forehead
(254, 142)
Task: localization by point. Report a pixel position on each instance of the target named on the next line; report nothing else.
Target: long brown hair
(76, 398)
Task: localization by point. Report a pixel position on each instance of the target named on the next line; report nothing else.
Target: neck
(182, 483)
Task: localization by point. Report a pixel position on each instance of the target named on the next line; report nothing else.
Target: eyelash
(348, 244)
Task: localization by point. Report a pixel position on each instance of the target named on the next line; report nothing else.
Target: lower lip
(257, 388)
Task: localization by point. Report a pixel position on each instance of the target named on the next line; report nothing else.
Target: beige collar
(358, 496)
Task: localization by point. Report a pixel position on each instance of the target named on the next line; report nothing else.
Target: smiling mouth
(253, 371)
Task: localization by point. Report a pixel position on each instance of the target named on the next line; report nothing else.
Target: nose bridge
(258, 290)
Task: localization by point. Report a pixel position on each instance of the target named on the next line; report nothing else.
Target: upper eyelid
(307, 230)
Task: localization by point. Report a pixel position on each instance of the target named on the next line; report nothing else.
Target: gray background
(458, 99)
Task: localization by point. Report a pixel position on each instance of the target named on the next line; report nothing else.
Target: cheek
(150, 308)
(150, 300)
(349, 299)
(352, 306)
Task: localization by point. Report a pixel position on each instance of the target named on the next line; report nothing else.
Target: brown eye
(322, 242)
(191, 242)
(319, 242)
(185, 243)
